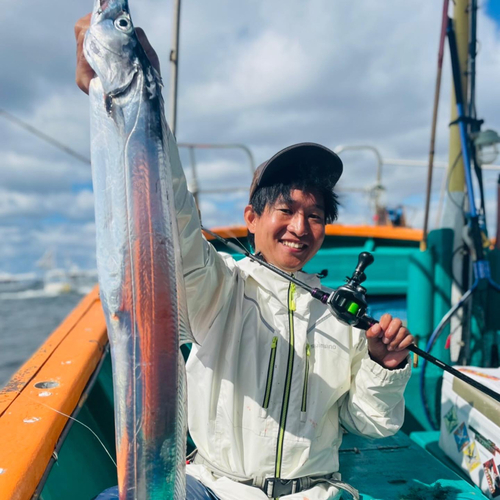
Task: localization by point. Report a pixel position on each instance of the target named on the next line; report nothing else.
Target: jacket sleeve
(209, 278)
(374, 405)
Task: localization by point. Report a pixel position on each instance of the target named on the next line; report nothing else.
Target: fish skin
(138, 257)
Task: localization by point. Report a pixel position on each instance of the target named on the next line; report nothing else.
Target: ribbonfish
(138, 257)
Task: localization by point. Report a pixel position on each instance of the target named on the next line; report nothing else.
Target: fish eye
(123, 24)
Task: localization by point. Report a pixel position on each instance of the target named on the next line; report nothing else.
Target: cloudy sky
(262, 74)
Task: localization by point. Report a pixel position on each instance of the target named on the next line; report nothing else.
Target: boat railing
(194, 187)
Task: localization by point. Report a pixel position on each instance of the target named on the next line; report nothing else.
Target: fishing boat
(56, 413)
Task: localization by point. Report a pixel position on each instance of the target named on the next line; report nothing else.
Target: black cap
(303, 155)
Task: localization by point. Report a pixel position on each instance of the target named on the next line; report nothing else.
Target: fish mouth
(102, 5)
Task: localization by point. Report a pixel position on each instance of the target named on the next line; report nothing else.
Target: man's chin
(291, 266)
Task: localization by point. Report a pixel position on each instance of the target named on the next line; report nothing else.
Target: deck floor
(396, 468)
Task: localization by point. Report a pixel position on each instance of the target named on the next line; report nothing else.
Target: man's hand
(388, 341)
(84, 73)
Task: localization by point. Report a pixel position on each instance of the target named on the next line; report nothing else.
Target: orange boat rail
(383, 232)
(51, 381)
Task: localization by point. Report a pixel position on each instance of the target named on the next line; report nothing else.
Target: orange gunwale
(29, 426)
(383, 232)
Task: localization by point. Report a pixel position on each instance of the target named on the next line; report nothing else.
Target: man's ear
(250, 218)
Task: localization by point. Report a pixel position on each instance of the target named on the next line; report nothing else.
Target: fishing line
(229, 244)
(233, 235)
(77, 421)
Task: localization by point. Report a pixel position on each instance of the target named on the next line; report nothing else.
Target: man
(275, 375)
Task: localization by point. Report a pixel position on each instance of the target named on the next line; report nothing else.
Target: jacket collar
(276, 284)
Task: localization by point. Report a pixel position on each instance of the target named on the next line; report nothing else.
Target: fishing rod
(348, 305)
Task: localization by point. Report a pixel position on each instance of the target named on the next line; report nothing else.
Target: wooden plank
(23, 376)
(31, 425)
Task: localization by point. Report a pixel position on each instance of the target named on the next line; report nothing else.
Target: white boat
(57, 281)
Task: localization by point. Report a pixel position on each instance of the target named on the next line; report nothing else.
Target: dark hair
(304, 178)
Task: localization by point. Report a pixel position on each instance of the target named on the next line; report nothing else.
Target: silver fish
(138, 257)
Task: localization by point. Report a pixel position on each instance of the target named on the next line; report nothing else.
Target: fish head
(111, 45)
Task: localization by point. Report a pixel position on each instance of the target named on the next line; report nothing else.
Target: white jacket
(275, 373)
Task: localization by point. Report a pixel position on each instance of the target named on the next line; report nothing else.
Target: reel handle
(364, 260)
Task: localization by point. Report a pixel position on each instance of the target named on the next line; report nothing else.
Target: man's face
(288, 234)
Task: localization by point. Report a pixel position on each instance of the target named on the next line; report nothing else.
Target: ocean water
(26, 320)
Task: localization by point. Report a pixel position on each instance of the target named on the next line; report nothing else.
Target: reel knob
(364, 260)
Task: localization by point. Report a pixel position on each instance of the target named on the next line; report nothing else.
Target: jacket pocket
(303, 407)
(270, 374)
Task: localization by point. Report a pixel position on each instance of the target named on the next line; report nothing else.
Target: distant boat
(57, 281)
(70, 279)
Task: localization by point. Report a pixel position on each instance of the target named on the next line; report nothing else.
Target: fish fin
(185, 334)
(180, 471)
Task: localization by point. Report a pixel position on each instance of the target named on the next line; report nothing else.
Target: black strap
(276, 488)
(467, 120)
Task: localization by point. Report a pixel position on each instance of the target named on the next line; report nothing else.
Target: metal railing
(194, 187)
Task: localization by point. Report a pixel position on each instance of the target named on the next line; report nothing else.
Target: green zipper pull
(270, 373)
(308, 350)
(292, 304)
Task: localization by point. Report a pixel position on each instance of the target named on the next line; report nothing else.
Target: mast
(174, 60)
(442, 40)
(453, 214)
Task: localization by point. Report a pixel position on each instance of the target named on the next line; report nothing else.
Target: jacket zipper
(270, 373)
(306, 379)
(288, 381)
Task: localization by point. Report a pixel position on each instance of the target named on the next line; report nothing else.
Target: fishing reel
(348, 302)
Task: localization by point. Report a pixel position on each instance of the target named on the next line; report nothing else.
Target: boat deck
(397, 468)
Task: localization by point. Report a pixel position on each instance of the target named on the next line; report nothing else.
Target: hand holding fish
(388, 341)
(84, 73)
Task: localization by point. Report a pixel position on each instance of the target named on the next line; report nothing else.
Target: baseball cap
(296, 157)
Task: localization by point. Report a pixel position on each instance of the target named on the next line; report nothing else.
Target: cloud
(263, 74)
(15, 204)
(22, 247)
(32, 173)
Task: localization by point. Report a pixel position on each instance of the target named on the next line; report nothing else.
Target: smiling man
(275, 376)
